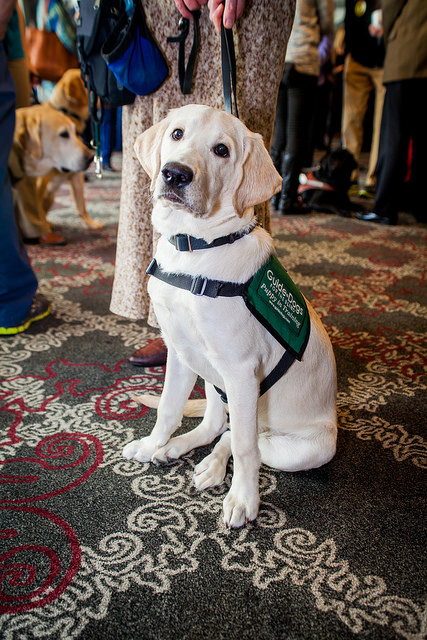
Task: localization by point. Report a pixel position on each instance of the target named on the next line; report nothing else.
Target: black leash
(228, 60)
(185, 73)
(229, 77)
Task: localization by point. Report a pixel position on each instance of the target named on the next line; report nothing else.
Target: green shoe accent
(40, 308)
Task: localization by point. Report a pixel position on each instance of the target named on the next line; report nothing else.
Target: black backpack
(97, 20)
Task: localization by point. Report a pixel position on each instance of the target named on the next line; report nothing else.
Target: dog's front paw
(240, 507)
(171, 451)
(141, 450)
(210, 472)
(95, 224)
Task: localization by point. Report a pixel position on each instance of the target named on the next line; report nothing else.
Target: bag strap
(185, 73)
(228, 63)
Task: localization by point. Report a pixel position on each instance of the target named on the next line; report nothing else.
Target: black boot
(289, 202)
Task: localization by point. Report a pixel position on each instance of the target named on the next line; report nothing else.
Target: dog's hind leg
(179, 381)
(300, 450)
(213, 424)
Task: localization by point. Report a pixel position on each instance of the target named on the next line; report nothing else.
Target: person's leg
(279, 136)
(18, 283)
(356, 91)
(392, 155)
(278, 144)
(107, 137)
(416, 98)
(377, 79)
(301, 90)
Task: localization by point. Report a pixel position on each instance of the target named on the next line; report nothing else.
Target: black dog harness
(201, 286)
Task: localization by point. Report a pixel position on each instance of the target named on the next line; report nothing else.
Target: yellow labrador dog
(207, 172)
(45, 139)
(69, 96)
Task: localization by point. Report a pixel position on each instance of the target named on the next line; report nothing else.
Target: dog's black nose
(177, 175)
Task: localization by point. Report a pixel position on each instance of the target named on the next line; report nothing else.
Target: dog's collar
(183, 242)
(67, 112)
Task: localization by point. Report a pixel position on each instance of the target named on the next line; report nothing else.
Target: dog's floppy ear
(75, 91)
(259, 180)
(147, 148)
(28, 131)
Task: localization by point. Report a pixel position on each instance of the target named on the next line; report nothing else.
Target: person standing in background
(294, 123)
(404, 121)
(363, 74)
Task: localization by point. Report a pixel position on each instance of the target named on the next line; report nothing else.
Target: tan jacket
(405, 36)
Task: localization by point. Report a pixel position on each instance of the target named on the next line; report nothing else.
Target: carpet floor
(98, 548)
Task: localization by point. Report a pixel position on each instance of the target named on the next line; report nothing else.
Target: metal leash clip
(97, 114)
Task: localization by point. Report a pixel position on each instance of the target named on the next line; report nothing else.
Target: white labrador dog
(207, 172)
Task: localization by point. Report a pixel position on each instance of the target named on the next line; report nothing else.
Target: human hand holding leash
(230, 10)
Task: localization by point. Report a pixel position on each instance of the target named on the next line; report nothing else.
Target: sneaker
(353, 191)
(371, 216)
(368, 193)
(40, 308)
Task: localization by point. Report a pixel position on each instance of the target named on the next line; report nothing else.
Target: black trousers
(404, 120)
(293, 125)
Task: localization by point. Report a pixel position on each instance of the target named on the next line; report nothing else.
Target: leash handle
(229, 77)
(185, 73)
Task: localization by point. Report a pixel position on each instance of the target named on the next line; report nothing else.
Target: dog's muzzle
(176, 175)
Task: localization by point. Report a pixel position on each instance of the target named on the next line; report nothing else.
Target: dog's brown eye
(177, 134)
(222, 151)
(64, 134)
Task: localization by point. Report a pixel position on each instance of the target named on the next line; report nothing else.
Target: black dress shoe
(371, 216)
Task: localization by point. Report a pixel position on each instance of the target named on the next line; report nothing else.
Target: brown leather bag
(47, 57)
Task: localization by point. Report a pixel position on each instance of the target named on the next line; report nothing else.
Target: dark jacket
(364, 49)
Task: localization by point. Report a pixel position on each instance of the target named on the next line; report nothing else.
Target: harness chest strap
(200, 286)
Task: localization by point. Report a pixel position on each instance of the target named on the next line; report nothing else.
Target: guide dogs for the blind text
(207, 172)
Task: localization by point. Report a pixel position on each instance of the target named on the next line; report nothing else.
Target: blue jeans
(18, 282)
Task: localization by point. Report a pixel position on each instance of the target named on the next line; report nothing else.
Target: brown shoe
(152, 355)
(52, 238)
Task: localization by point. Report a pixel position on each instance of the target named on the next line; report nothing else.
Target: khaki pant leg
(377, 79)
(357, 89)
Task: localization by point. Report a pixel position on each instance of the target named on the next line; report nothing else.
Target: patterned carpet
(98, 548)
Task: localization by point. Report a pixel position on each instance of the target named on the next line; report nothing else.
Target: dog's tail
(192, 409)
